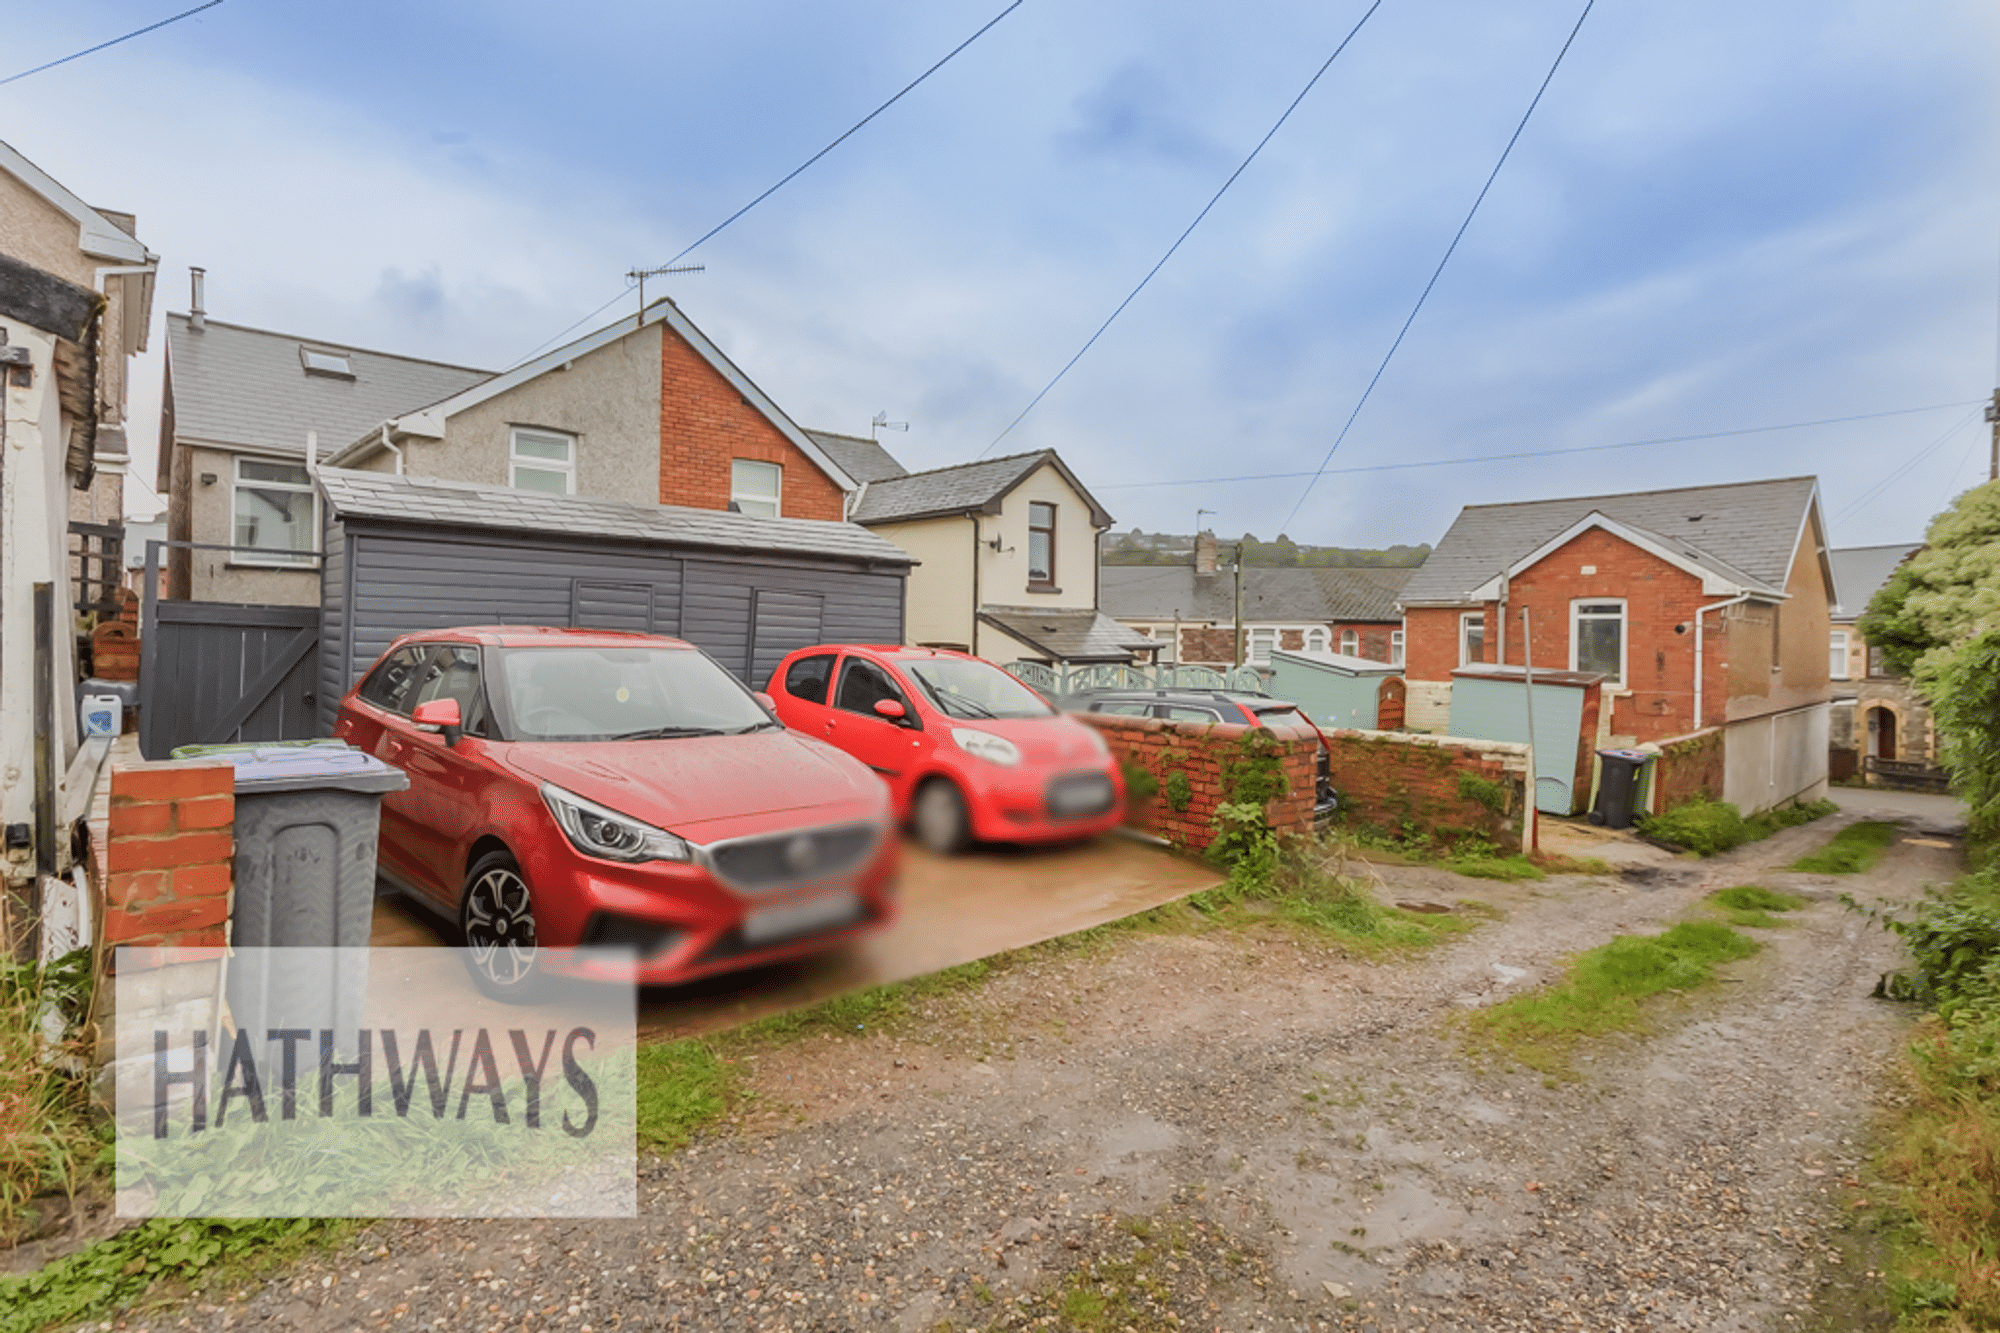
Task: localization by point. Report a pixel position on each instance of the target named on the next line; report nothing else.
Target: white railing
(1063, 679)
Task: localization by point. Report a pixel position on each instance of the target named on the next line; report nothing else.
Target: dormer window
(333, 365)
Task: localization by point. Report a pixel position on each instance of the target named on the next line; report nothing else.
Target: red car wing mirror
(440, 715)
(891, 709)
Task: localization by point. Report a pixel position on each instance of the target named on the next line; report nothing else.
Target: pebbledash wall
(1201, 752)
(1451, 789)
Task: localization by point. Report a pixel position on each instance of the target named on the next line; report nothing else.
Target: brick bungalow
(1704, 607)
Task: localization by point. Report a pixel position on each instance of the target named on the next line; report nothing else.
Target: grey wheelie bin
(306, 824)
(1618, 787)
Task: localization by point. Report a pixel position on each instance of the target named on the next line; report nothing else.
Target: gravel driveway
(1236, 1130)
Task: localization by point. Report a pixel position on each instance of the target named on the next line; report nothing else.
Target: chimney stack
(197, 317)
(1204, 553)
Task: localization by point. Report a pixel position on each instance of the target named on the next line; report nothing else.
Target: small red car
(967, 750)
(583, 787)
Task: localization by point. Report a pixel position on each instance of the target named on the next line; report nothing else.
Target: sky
(1720, 217)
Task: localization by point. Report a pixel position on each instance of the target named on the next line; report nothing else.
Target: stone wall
(1443, 787)
(1204, 754)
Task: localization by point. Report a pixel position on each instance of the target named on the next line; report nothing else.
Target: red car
(581, 787)
(967, 750)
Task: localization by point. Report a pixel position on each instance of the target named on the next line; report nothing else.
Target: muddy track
(1303, 1135)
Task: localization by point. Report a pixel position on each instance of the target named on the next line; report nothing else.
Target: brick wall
(1201, 751)
(1688, 766)
(705, 423)
(167, 857)
(1431, 648)
(1392, 779)
(1371, 638)
(1209, 645)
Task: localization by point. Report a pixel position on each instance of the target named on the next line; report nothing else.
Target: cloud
(1135, 113)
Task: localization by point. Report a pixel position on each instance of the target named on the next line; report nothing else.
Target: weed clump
(46, 1139)
(1603, 990)
(1709, 828)
(1752, 905)
(1854, 849)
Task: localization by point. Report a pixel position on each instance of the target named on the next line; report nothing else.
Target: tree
(1937, 620)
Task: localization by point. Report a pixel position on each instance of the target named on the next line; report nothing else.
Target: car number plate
(766, 924)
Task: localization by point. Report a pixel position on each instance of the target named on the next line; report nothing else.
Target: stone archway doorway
(1881, 733)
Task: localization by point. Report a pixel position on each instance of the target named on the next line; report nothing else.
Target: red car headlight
(596, 831)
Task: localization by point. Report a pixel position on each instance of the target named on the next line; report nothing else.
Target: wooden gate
(1389, 704)
(214, 672)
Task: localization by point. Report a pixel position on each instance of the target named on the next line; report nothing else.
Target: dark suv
(1237, 707)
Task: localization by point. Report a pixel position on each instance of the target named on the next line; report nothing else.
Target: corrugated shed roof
(426, 500)
(244, 386)
(1160, 592)
(860, 458)
(1744, 531)
(1860, 571)
(1070, 634)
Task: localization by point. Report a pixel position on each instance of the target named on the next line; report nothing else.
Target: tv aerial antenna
(639, 276)
(882, 422)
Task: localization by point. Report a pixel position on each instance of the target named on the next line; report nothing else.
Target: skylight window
(326, 363)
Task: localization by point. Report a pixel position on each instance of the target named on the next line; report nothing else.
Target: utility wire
(1439, 272)
(1184, 235)
(1536, 453)
(795, 171)
(137, 32)
(1908, 463)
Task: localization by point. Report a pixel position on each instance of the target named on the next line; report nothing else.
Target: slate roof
(1860, 571)
(977, 486)
(1745, 532)
(859, 457)
(1290, 596)
(429, 501)
(1069, 634)
(234, 385)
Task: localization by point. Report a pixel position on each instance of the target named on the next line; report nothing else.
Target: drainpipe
(386, 444)
(1239, 604)
(1500, 647)
(1700, 720)
(972, 635)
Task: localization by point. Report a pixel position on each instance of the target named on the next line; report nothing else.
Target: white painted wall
(1776, 758)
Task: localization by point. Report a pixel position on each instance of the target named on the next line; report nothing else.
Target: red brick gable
(705, 424)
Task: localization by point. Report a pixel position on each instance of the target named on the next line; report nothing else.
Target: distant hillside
(1137, 547)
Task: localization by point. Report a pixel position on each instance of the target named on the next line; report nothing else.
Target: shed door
(626, 606)
(780, 622)
(1389, 703)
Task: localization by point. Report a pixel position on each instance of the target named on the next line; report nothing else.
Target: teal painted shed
(1335, 690)
(1490, 703)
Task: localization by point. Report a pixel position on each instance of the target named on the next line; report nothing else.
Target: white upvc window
(1395, 647)
(542, 460)
(1316, 639)
(1836, 655)
(1471, 637)
(274, 510)
(1350, 643)
(756, 488)
(1258, 650)
(1597, 637)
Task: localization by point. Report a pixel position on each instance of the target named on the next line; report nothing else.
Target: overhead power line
(1900, 472)
(136, 32)
(1534, 453)
(1185, 234)
(1449, 250)
(791, 175)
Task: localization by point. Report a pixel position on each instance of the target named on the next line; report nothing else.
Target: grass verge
(1854, 849)
(1752, 905)
(1709, 828)
(1603, 991)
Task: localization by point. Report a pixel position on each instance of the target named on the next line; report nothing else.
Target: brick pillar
(169, 854)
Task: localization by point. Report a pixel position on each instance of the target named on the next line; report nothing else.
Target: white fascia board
(1713, 584)
(96, 236)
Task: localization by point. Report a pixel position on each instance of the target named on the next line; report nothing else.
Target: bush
(1702, 826)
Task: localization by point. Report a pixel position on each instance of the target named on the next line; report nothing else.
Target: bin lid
(1630, 756)
(335, 767)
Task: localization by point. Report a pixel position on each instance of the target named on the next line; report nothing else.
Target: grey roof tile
(428, 500)
(1068, 634)
(1860, 571)
(244, 386)
(1744, 531)
(1298, 596)
(861, 459)
(945, 490)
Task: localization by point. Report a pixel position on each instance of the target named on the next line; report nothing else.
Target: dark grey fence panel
(623, 606)
(781, 622)
(219, 672)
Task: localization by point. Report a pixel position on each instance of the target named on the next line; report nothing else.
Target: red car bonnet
(678, 782)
